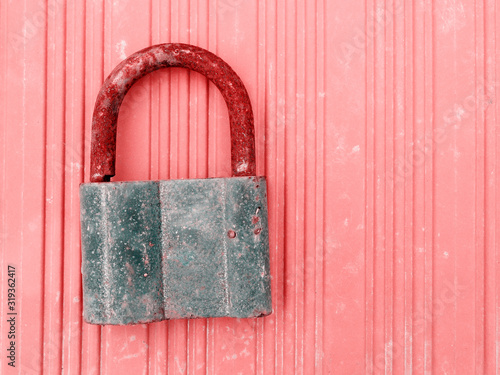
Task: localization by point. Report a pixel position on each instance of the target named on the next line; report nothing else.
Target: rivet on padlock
(155, 250)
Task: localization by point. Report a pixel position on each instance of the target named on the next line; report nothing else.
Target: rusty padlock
(155, 250)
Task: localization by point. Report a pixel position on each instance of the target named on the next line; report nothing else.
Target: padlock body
(155, 250)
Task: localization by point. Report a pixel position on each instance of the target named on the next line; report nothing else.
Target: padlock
(193, 248)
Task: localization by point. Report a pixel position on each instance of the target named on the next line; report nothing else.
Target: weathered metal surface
(141, 63)
(174, 249)
(155, 250)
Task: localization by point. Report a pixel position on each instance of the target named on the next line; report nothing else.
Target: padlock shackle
(141, 63)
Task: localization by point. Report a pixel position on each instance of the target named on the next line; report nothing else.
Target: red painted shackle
(136, 66)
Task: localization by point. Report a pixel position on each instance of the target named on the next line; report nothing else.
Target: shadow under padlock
(155, 250)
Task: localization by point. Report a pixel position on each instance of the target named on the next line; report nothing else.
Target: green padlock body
(155, 250)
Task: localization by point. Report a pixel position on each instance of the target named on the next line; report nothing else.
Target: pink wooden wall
(377, 126)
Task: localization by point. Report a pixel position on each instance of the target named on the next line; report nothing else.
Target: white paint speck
(76, 166)
(242, 166)
(459, 112)
(244, 353)
(120, 48)
(452, 16)
(340, 307)
(351, 268)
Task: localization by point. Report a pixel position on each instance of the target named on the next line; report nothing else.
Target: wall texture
(377, 126)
